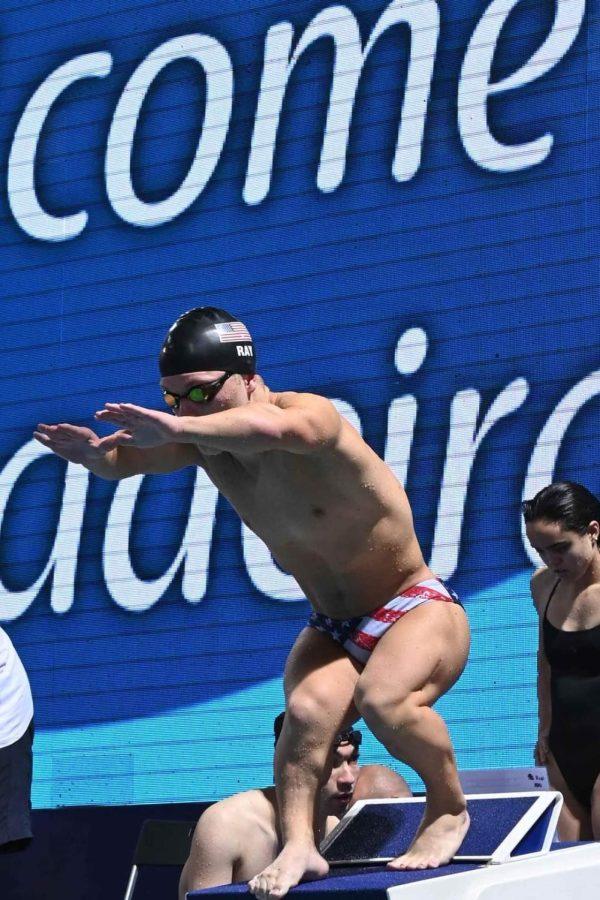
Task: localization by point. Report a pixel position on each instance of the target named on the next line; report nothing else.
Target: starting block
(516, 829)
(503, 827)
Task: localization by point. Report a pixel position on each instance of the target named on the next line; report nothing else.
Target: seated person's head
(377, 782)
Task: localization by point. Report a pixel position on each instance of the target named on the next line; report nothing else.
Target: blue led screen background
(401, 202)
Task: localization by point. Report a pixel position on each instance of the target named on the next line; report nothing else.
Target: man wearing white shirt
(16, 738)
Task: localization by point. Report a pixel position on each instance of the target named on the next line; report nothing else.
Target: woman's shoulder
(542, 582)
(590, 595)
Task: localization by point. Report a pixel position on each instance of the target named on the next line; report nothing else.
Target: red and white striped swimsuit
(359, 636)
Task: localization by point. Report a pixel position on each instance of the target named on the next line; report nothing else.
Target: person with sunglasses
(386, 637)
(237, 837)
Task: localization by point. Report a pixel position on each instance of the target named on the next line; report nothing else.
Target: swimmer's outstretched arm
(105, 458)
(307, 424)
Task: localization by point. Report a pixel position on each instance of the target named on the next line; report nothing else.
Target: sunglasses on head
(199, 393)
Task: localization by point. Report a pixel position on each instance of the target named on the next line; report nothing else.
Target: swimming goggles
(199, 393)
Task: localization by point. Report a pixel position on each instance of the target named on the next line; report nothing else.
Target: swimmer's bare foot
(295, 863)
(436, 841)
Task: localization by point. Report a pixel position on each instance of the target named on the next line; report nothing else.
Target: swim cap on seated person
(207, 339)
(347, 736)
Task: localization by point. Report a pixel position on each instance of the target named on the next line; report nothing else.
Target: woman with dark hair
(563, 526)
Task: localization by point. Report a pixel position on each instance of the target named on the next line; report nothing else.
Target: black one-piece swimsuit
(574, 739)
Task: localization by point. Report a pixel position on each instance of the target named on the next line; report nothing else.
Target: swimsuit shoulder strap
(555, 585)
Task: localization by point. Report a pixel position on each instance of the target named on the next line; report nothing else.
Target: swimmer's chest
(275, 487)
(576, 613)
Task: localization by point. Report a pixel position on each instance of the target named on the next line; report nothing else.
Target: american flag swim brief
(359, 636)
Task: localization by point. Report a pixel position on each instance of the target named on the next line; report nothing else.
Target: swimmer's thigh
(421, 656)
(319, 681)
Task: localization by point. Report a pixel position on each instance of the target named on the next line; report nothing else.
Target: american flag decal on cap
(232, 331)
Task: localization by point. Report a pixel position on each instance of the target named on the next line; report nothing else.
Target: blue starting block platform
(516, 829)
(502, 827)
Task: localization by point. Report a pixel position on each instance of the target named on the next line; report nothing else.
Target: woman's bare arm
(539, 591)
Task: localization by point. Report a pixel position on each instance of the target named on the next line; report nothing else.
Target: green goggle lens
(198, 395)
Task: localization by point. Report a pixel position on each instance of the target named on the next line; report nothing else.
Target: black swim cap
(347, 736)
(207, 339)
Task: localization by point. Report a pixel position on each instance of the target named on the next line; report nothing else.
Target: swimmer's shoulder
(589, 598)
(321, 408)
(312, 418)
(240, 811)
(302, 400)
(256, 812)
(541, 584)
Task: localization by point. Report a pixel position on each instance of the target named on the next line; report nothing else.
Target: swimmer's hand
(138, 427)
(72, 442)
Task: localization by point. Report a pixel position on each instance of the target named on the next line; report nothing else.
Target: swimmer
(386, 637)
(563, 524)
(237, 837)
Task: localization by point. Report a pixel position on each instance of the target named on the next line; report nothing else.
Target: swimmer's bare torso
(336, 519)
(330, 510)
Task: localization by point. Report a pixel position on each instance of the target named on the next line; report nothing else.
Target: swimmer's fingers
(71, 442)
(64, 434)
(120, 438)
(56, 430)
(141, 427)
(127, 414)
(42, 437)
(47, 440)
(75, 433)
(129, 409)
(44, 429)
(114, 413)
